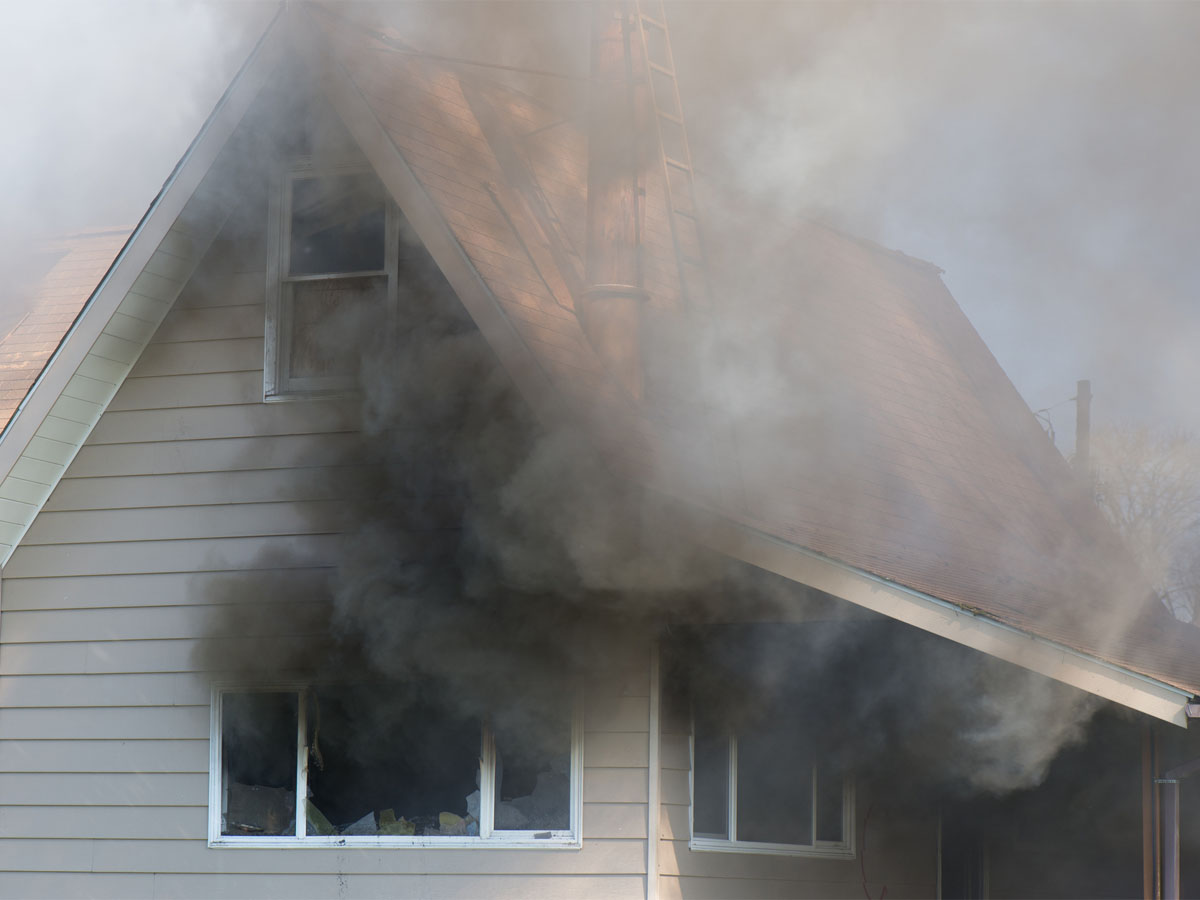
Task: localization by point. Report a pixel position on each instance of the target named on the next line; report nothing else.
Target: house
(402, 509)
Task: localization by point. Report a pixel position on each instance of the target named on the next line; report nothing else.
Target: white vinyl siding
(101, 372)
(185, 484)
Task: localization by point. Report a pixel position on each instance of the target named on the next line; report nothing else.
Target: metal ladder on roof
(676, 155)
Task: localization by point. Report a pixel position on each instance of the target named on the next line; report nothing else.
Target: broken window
(378, 763)
(258, 764)
(333, 263)
(532, 767)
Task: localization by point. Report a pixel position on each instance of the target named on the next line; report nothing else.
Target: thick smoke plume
(483, 548)
(486, 546)
(486, 550)
(918, 719)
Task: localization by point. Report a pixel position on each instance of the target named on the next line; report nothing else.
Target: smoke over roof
(551, 530)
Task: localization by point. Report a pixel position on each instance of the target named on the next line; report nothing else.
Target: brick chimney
(611, 307)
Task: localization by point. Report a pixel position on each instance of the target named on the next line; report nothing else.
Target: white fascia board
(979, 632)
(102, 306)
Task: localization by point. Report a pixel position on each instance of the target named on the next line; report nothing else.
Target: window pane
(533, 767)
(710, 801)
(382, 765)
(830, 794)
(337, 225)
(774, 787)
(258, 758)
(328, 323)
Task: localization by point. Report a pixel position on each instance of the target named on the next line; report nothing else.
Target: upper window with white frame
(377, 765)
(332, 260)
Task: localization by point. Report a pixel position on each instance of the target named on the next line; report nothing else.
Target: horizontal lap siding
(291, 886)
(185, 484)
(616, 741)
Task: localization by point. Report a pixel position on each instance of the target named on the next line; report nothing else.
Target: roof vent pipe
(610, 309)
(1083, 425)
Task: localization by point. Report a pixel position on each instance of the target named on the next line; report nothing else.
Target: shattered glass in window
(533, 768)
(258, 757)
(381, 765)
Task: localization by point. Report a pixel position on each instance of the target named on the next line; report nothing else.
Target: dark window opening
(337, 225)
(533, 771)
(258, 751)
(375, 768)
(710, 811)
(775, 788)
(763, 775)
(830, 800)
(383, 760)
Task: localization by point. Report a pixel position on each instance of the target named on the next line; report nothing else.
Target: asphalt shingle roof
(834, 396)
(892, 440)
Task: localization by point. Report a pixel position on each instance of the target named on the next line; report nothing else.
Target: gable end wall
(187, 480)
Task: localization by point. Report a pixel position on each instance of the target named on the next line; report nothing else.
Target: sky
(1043, 154)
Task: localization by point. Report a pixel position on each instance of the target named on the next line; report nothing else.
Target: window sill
(344, 392)
(716, 845)
(557, 841)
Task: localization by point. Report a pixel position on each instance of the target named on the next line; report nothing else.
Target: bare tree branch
(1148, 485)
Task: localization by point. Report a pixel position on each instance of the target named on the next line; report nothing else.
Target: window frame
(277, 386)
(489, 836)
(844, 849)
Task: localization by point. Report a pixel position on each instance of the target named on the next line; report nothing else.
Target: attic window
(332, 277)
(373, 765)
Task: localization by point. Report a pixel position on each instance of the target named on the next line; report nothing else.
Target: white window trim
(843, 849)
(276, 351)
(488, 837)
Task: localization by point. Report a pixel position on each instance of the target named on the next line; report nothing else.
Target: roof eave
(987, 635)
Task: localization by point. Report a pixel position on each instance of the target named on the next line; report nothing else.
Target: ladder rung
(674, 163)
(671, 117)
(653, 22)
(680, 211)
(661, 70)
